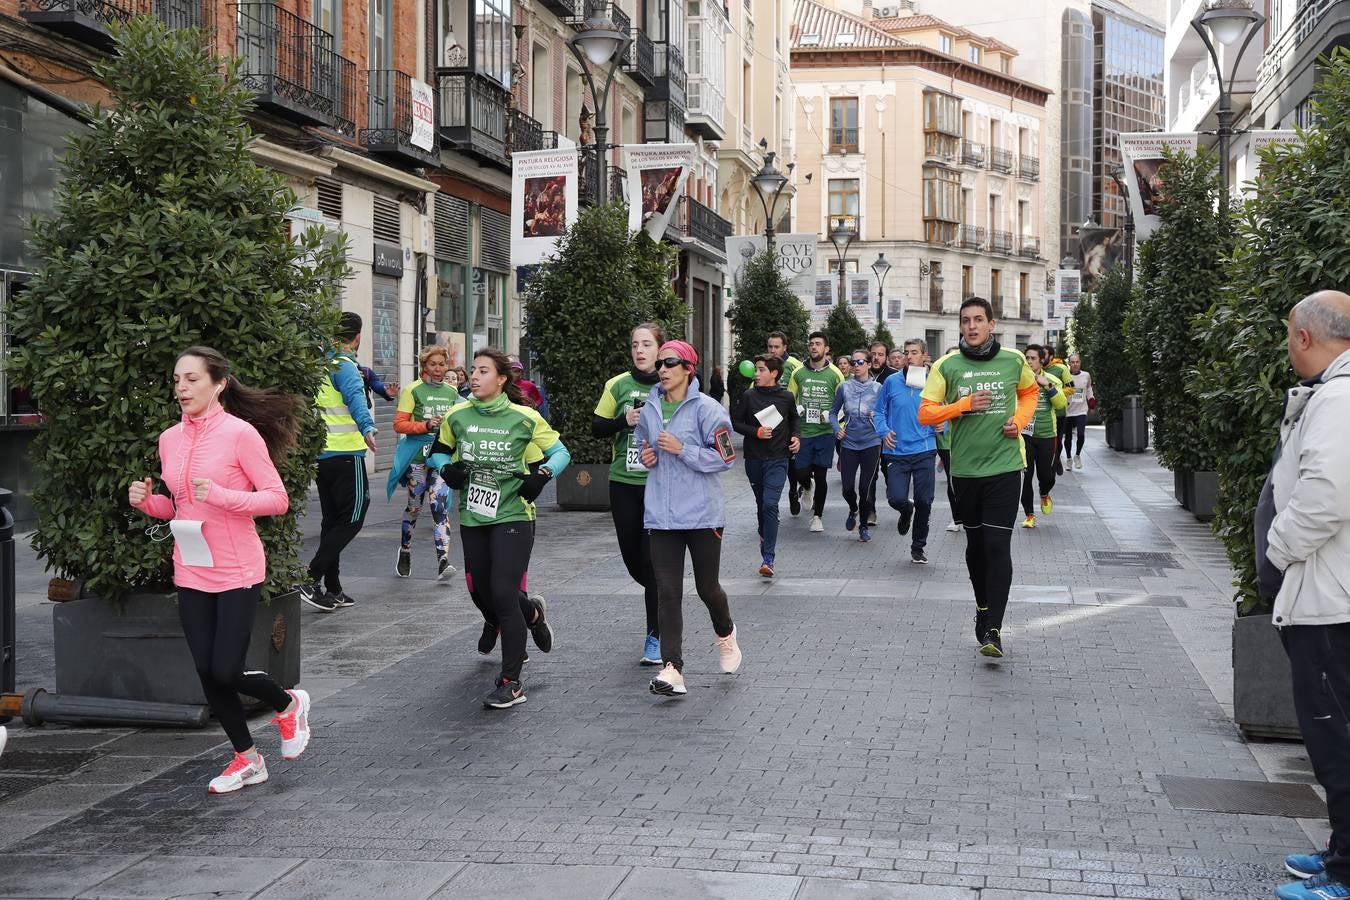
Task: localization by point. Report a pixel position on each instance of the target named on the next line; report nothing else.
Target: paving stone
(532, 882)
(337, 879)
(642, 884)
(58, 875)
(832, 889)
(183, 876)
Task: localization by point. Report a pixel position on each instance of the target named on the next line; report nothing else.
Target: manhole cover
(1134, 558)
(1134, 598)
(1254, 798)
(44, 762)
(12, 786)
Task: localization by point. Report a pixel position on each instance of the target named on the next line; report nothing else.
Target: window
(844, 124)
(1022, 341)
(327, 14)
(945, 43)
(942, 113)
(974, 54)
(381, 34)
(844, 197)
(1004, 64)
(934, 341)
(941, 203)
(967, 282)
(450, 297)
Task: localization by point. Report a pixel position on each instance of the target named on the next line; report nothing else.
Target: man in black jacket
(767, 417)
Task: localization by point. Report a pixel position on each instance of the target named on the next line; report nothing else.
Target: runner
(944, 451)
(988, 395)
(861, 446)
(881, 370)
(616, 414)
(912, 449)
(1055, 366)
(685, 438)
(1081, 399)
(494, 436)
(776, 344)
(767, 418)
(896, 359)
(814, 385)
(421, 407)
(219, 466)
(1040, 436)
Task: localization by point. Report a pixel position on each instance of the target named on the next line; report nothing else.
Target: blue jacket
(898, 414)
(858, 400)
(682, 490)
(349, 383)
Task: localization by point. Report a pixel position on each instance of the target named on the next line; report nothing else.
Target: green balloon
(747, 368)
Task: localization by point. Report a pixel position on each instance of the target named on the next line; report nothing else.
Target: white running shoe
(816, 525)
(954, 527)
(670, 683)
(4, 736)
(730, 652)
(241, 772)
(1078, 462)
(294, 728)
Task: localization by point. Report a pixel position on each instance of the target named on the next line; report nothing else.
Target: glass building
(1127, 95)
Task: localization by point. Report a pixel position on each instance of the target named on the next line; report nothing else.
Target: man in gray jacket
(1308, 543)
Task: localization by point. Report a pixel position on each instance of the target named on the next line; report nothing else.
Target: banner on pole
(825, 290)
(423, 115)
(860, 292)
(796, 260)
(543, 202)
(656, 177)
(1144, 165)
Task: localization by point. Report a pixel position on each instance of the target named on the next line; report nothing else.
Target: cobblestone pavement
(864, 750)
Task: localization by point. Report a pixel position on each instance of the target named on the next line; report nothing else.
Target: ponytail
(275, 416)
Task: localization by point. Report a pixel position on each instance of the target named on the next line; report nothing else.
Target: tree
(1081, 328)
(1292, 238)
(764, 304)
(582, 305)
(1180, 275)
(1113, 377)
(165, 234)
(844, 331)
(883, 334)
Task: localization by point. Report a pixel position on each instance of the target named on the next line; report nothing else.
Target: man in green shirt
(987, 395)
(814, 385)
(1060, 373)
(1040, 435)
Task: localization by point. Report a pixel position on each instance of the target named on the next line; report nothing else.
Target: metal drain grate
(12, 786)
(1133, 558)
(1134, 598)
(44, 762)
(1253, 798)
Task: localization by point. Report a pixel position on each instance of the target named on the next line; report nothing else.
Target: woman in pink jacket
(217, 464)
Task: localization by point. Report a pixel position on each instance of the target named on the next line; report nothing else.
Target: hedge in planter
(1113, 378)
(1081, 329)
(1180, 275)
(165, 234)
(765, 303)
(583, 303)
(1292, 238)
(844, 331)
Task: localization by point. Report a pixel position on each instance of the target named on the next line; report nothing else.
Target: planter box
(135, 650)
(1133, 426)
(1180, 479)
(1263, 694)
(1113, 433)
(1202, 491)
(584, 487)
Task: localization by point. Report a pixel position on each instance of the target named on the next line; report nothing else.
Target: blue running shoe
(1319, 887)
(851, 521)
(864, 533)
(651, 652)
(1306, 865)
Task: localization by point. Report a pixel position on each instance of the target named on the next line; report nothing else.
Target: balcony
(972, 154)
(1024, 309)
(390, 122)
(527, 133)
(586, 172)
(473, 114)
(843, 140)
(350, 95)
(703, 224)
(970, 237)
(640, 61)
(996, 301)
(941, 147)
(1000, 160)
(600, 9)
(289, 63)
(670, 79)
(935, 293)
(1000, 242)
(86, 21)
(1029, 167)
(1030, 247)
(563, 9)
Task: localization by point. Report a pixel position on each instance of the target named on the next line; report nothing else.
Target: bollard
(8, 639)
(39, 707)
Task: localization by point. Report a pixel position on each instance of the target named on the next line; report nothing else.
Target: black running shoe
(505, 695)
(918, 557)
(539, 628)
(906, 517)
(342, 599)
(993, 644)
(488, 640)
(403, 566)
(979, 625)
(1059, 465)
(314, 595)
(795, 500)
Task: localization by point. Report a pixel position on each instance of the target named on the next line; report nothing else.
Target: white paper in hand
(769, 417)
(192, 546)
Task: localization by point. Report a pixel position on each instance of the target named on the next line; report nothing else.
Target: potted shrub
(1113, 378)
(582, 305)
(1292, 237)
(764, 304)
(165, 234)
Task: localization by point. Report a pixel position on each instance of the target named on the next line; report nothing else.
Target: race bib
(633, 457)
(1030, 429)
(817, 416)
(483, 496)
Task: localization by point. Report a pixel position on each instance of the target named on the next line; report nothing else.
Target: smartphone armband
(722, 441)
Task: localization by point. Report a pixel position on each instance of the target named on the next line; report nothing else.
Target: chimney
(867, 13)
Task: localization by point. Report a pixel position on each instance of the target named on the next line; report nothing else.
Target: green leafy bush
(165, 234)
(764, 304)
(843, 329)
(1113, 377)
(1081, 329)
(883, 334)
(583, 303)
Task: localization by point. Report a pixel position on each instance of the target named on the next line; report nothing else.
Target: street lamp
(879, 269)
(770, 183)
(1118, 176)
(1227, 21)
(843, 231)
(598, 44)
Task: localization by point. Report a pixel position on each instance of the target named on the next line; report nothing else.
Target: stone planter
(1179, 487)
(1263, 695)
(1113, 434)
(1133, 426)
(1202, 492)
(584, 486)
(135, 650)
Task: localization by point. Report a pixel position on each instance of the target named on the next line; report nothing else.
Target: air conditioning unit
(886, 12)
(909, 5)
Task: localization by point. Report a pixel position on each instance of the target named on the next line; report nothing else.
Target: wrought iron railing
(603, 9)
(563, 9)
(1000, 160)
(1030, 247)
(671, 79)
(970, 237)
(640, 61)
(347, 103)
(287, 60)
(1000, 241)
(972, 154)
(527, 132)
(996, 301)
(1024, 308)
(473, 111)
(1305, 22)
(389, 120)
(702, 223)
(1029, 167)
(843, 140)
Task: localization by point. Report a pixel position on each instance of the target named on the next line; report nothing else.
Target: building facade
(914, 131)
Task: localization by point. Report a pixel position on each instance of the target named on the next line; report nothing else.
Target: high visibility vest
(343, 434)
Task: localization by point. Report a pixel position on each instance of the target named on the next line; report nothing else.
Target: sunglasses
(859, 362)
(670, 363)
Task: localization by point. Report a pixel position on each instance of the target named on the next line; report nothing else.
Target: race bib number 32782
(483, 497)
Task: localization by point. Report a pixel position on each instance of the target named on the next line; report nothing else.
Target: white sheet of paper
(192, 547)
(769, 417)
(916, 376)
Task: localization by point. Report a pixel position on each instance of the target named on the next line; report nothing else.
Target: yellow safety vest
(343, 434)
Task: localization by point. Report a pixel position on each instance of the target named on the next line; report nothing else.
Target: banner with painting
(656, 177)
(1144, 170)
(543, 202)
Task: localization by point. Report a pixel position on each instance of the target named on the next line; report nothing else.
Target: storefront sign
(388, 260)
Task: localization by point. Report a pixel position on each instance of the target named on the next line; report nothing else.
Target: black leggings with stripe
(344, 498)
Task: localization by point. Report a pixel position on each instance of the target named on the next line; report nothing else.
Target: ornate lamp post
(1226, 22)
(599, 44)
(843, 232)
(879, 269)
(770, 184)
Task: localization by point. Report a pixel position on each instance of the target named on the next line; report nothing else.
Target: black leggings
(1069, 425)
(217, 628)
(495, 560)
(946, 457)
(705, 549)
(859, 467)
(987, 508)
(818, 476)
(344, 498)
(626, 506)
(1041, 463)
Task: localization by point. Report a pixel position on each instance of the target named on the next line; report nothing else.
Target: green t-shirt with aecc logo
(1043, 423)
(622, 393)
(978, 446)
(495, 443)
(814, 390)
